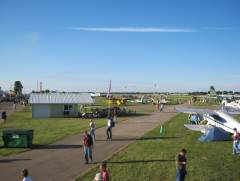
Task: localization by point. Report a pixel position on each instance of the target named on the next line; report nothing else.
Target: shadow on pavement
(140, 139)
(138, 114)
(135, 161)
(56, 146)
(12, 160)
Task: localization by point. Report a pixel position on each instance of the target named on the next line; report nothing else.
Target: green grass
(50, 130)
(46, 131)
(237, 117)
(153, 159)
(206, 105)
(176, 99)
(143, 108)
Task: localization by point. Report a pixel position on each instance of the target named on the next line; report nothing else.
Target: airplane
(228, 96)
(142, 100)
(214, 119)
(160, 101)
(233, 105)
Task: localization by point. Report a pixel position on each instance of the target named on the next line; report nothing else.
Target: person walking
(181, 162)
(109, 128)
(87, 147)
(158, 105)
(236, 138)
(92, 129)
(161, 107)
(25, 175)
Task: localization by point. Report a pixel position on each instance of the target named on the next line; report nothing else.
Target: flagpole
(109, 103)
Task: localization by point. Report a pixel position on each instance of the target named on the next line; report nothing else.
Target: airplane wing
(195, 111)
(194, 127)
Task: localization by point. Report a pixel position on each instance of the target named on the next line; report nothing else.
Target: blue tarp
(215, 134)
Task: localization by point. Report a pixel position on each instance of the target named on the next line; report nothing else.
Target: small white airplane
(161, 101)
(228, 96)
(213, 118)
(140, 101)
(233, 105)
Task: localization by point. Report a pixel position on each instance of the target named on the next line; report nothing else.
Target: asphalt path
(64, 160)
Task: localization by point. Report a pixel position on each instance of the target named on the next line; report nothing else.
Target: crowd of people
(181, 159)
(89, 138)
(103, 174)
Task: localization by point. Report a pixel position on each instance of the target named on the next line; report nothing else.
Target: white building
(45, 105)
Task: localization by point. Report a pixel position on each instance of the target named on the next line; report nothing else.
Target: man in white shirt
(109, 129)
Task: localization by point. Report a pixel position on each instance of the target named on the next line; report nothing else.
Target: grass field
(49, 130)
(205, 105)
(176, 99)
(153, 159)
(45, 130)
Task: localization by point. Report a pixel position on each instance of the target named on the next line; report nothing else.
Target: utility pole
(41, 86)
(37, 85)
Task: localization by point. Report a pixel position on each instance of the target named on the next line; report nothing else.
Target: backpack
(88, 140)
(112, 123)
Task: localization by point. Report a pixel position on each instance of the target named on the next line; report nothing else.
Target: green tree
(18, 87)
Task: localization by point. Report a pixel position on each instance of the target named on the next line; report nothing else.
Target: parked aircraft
(141, 100)
(160, 101)
(213, 118)
(230, 105)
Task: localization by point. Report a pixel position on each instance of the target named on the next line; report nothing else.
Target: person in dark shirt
(87, 146)
(181, 162)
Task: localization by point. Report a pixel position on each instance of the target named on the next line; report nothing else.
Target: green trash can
(17, 138)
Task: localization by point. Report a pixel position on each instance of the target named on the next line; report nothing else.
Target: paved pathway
(63, 160)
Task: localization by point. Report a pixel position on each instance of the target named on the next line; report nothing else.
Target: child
(104, 172)
(25, 175)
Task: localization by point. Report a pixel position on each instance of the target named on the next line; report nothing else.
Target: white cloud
(134, 29)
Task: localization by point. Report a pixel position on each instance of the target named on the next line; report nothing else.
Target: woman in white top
(92, 129)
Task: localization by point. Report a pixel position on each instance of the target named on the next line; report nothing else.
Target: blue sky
(77, 45)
